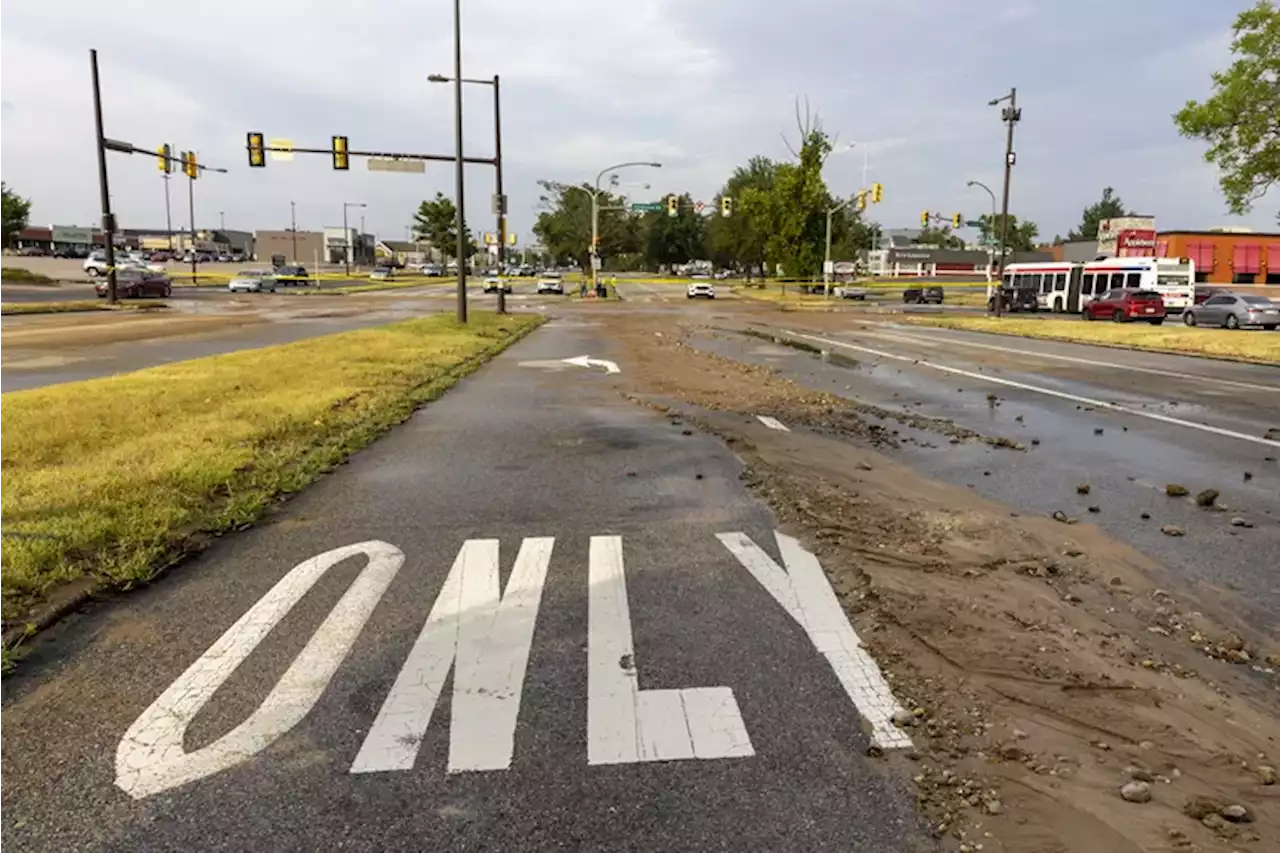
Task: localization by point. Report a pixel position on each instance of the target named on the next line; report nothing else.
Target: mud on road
(1065, 695)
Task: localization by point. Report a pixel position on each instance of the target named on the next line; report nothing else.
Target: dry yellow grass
(1171, 337)
(111, 479)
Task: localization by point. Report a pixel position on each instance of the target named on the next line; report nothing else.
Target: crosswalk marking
(626, 724)
(486, 639)
(151, 757)
(805, 593)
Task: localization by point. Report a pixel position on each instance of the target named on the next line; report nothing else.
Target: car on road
(701, 289)
(137, 283)
(1124, 305)
(381, 274)
(1234, 311)
(551, 282)
(33, 251)
(290, 275)
(252, 281)
(493, 284)
(921, 295)
(849, 291)
(432, 270)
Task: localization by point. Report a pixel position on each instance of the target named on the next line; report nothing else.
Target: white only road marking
(805, 593)
(151, 757)
(1075, 398)
(773, 423)
(626, 724)
(1133, 368)
(588, 361)
(486, 640)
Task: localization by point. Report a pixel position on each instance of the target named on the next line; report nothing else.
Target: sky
(698, 85)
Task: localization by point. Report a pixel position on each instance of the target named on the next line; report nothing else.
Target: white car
(846, 291)
(96, 264)
(701, 289)
(493, 284)
(252, 281)
(380, 274)
(552, 282)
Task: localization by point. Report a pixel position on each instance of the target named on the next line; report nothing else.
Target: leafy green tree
(564, 224)
(851, 233)
(794, 208)
(674, 239)
(1241, 120)
(739, 239)
(1022, 235)
(436, 222)
(1108, 207)
(16, 212)
(943, 237)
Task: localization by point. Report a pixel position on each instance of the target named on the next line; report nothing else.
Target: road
(669, 702)
(1124, 423)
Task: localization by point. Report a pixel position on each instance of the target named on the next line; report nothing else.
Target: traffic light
(924, 219)
(956, 221)
(673, 205)
(877, 192)
(257, 151)
(163, 153)
(340, 159)
(726, 206)
(860, 201)
(189, 167)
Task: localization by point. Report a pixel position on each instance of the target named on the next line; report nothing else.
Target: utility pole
(346, 242)
(108, 221)
(500, 202)
(826, 258)
(293, 230)
(1010, 115)
(168, 220)
(458, 163)
(191, 204)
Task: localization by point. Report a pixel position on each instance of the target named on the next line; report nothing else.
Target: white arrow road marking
(488, 639)
(588, 361)
(151, 757)
(773, 423)
(804, 592)
(626, 724)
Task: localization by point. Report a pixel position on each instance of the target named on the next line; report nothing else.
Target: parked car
(96, 264)
(921, 294)
(381, 274)
(432, 270)
(252, 281)
(551, 282)
(1125, 305)
(33, 251)
(1234, 311)
(849, 291)
(137, 283)
(290, 275)
(1015, 300)
(493, 284)
(701, 289)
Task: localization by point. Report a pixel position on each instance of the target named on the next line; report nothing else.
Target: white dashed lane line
(773, 423)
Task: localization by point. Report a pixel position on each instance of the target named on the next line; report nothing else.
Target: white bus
(1056, 284)
(1173, 278)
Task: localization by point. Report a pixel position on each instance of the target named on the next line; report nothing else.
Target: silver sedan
(1234, 311)
(252, 281)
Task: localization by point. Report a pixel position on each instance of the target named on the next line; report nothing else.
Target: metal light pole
(993, 204)
(168, 220)
(108, 221)
(191, 209)
(826, 258)
(346, 235)
(293, 230)
(460, 200)
(1010, 115)
(595, 216)
(222, 220)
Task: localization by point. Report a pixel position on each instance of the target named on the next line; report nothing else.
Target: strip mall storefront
(1224, 257)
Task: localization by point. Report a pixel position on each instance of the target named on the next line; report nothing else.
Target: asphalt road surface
(1124, 423)
(637, 686)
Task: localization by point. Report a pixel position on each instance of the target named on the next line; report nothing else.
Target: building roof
(1217, 232)
(405, 245)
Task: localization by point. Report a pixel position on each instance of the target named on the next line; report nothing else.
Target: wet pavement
(1182, 424)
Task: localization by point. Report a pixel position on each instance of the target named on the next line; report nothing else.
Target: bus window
(1086, 284)
(1060, 282)
(1117, 281)
(1134, 280)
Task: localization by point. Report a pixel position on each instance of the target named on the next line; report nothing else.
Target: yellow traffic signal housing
(340, 159)
(860, 201)
(257, 151)
(673, 205)
(726, 206)
(877, 192)
(924, 219)
(163, 153)
(956, 221)
(189, 167)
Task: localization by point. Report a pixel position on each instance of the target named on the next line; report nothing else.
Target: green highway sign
(973, 223)
(646, 207)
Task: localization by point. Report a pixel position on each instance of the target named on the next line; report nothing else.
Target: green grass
(22, 275)
(77, 305)
(1172, 337)
(113, 479)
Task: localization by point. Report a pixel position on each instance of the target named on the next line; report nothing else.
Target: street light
(293, 230)
(993, 203)
(595, 215)
(346, 234)
(500, 200)
(1010, 115)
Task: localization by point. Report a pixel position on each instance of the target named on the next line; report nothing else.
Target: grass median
(1259, 346)
(22, 275)
(106, 482)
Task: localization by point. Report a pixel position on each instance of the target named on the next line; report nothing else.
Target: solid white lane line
(488, 638)
(1075, 398)
(802, 589)
(902, 335)
(626, 724)
(773, 423)
(151, 756)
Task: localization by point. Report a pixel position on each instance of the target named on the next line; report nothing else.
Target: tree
(564, 225)
(674, 239)
(436, 222)
(16, 212)
(793, 211)
(739, 239)
(1108, 207)
(1241, 120)
(943, 237)
(1022, 235)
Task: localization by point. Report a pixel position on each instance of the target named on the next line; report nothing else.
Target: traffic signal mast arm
(389, 155)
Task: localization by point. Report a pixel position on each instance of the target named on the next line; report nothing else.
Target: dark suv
(291, 275)
(921, 295)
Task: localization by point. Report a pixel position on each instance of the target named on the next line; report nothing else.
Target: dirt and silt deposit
(1063, 693)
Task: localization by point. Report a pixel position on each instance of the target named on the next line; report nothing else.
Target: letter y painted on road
(151, 757)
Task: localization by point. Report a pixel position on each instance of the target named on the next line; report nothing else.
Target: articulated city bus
(1056, 284)
(1173, 278)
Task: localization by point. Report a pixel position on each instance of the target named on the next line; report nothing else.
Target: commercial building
(1224, 256)
(405, 252)
(303, 247)
(348, 245)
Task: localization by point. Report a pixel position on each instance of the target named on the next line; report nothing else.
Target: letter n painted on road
(626, 724)
(804, 592)
(486, 640)
(151, 757)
